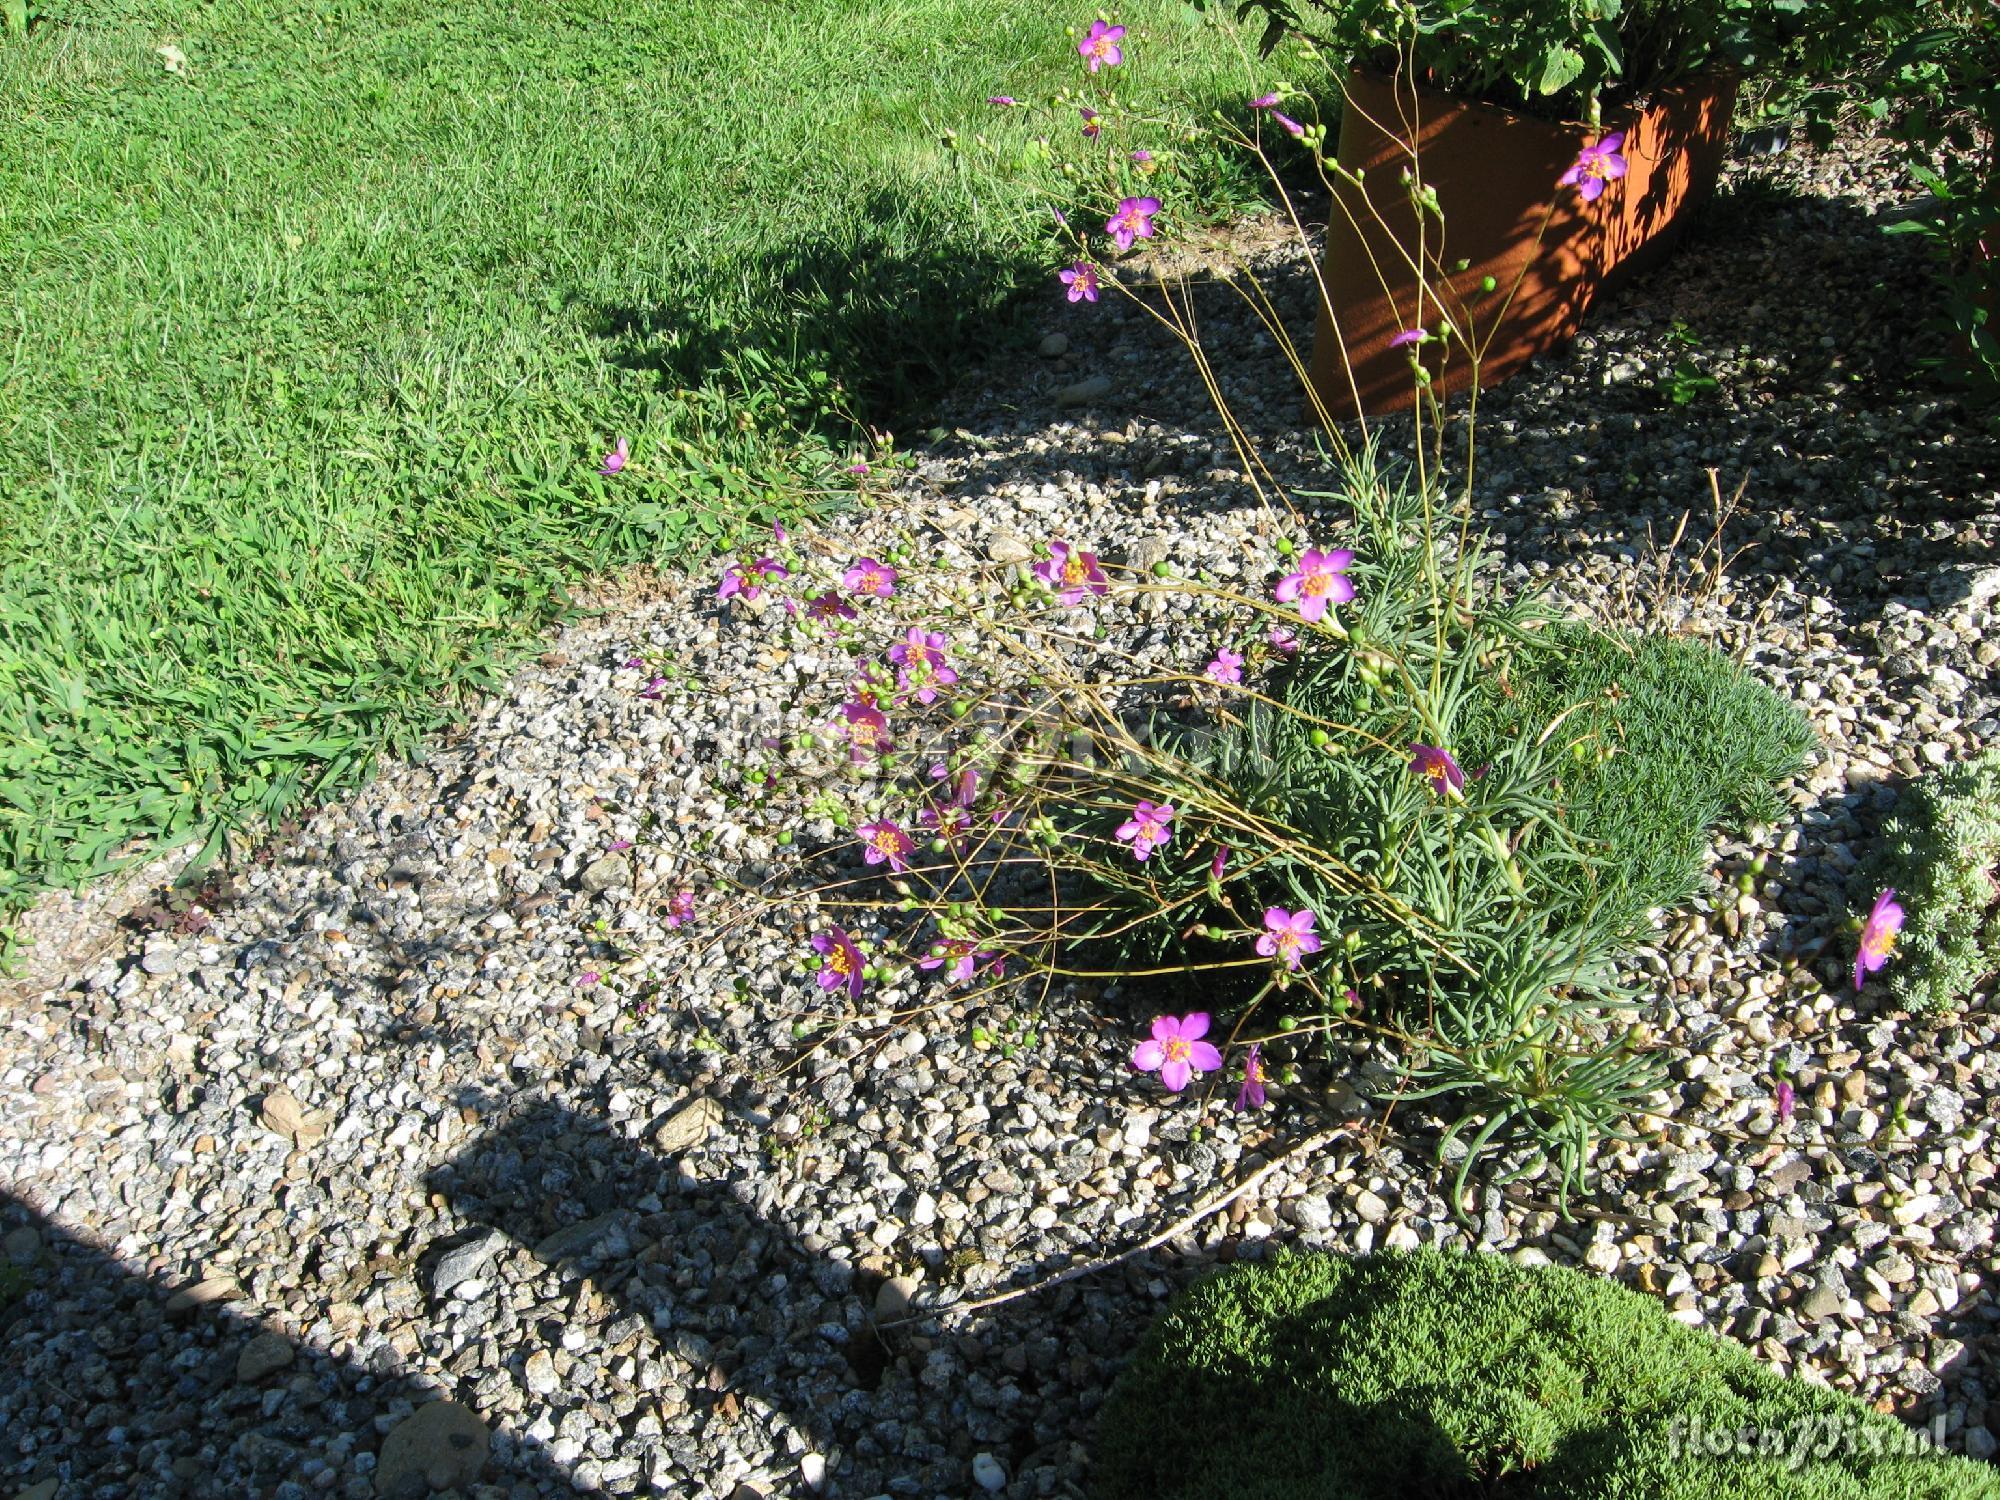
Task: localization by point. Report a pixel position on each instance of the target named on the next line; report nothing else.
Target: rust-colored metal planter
(1503, 212)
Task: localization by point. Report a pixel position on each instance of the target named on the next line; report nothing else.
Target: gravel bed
(355, 1183)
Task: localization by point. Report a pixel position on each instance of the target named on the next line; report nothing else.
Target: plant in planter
(1499, 164)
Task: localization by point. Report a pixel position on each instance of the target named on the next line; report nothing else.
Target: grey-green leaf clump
(1315, 1377)
(1940, 854)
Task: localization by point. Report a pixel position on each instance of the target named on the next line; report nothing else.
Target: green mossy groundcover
(1940, 854)
(1406, 1377)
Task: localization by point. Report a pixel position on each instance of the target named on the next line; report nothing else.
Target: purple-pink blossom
(1100, 48)
(867, 576)
(1409, 336)
(1878, 936)
(680, 907)
(1092, 125)
(965, 957)
(1002, 101)
(921, 665)
(1072, 573)
(1283, 638)
(587, 979)
(1319, 580)
(1227, 666)
(1595, 166)
(654, 688)
(867, 729)
(829, 606)
(747, 580)
(1251, 1095)
(1134, 220)
(1288, 935)
(1081, 279)
(1786, 1101)
(1220, 863)
(1266, 101)
(1150, 826)
(1290, 126)
(841, 964)
(884, 840)
(1176, 1049)
(614, 461)
(1437, 765)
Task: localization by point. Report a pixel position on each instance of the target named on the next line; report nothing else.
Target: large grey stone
(463, 1262)
(605, 1234)
(437, 1447)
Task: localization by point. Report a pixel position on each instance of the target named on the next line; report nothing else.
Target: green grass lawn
(310, 347)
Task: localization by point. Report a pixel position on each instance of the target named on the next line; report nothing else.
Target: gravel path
(363, 1184)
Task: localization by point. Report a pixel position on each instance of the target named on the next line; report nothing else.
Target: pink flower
(843, 963)
(1134, 220)
(1318, 581)
(1002, 101)
(1283, 638)
(654, 688)
(1143, 159)
(1288, 935)
(748, 579)
(1878, 936)
(1176, 1050)
(1409, 336)
(1265, 101)
(587, 979)
(1072, 574)
(1290, 126)
(1220, 863)
(1595, 166)
(1100, 49)
(829, 606)
(867, 729)
(615, 459)
(1148, 828)
(1081, 279)
(1251, 1095)
(1091, 125)
(920, 660)
(633, 663)
(868, 576)
(858, 468)
(778, 534)
(883, 840)
(680, 907)
(1226, 668)
(619, 846)
(1786, 1101)
(965, 956)
(1445, 777)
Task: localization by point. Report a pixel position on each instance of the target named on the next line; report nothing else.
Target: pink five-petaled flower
(1283, 638)
(1176, 1049)
(1081, 279)
(1227, 666)
(867, 729)
(1251, 1095)
(1134, 220)
(615, 459)
(868, 576)
(1100, 48)
(921, 665)
(748, 579)
(1072, 573)
(680, 907)
(1317, 582)
(1092, 125)
(829, 606)
(965, 956)
(843, 963)
(884, 840)
(1878, 936)
(1595, 166)
(1148, 828)
(1288, 935)
(1445, 777)
(1786, 1101)
(1409, 336)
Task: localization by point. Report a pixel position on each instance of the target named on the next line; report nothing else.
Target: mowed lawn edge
(318, 325)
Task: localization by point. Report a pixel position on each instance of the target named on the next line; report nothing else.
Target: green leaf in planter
(1561, 66)
(1604, 37)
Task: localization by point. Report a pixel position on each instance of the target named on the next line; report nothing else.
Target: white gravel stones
(488, 1174)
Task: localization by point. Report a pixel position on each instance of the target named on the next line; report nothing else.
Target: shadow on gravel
(165, 1391)
(768, 1323)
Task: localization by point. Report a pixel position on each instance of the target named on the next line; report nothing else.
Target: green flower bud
(1319, 739)
(1163, 569)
